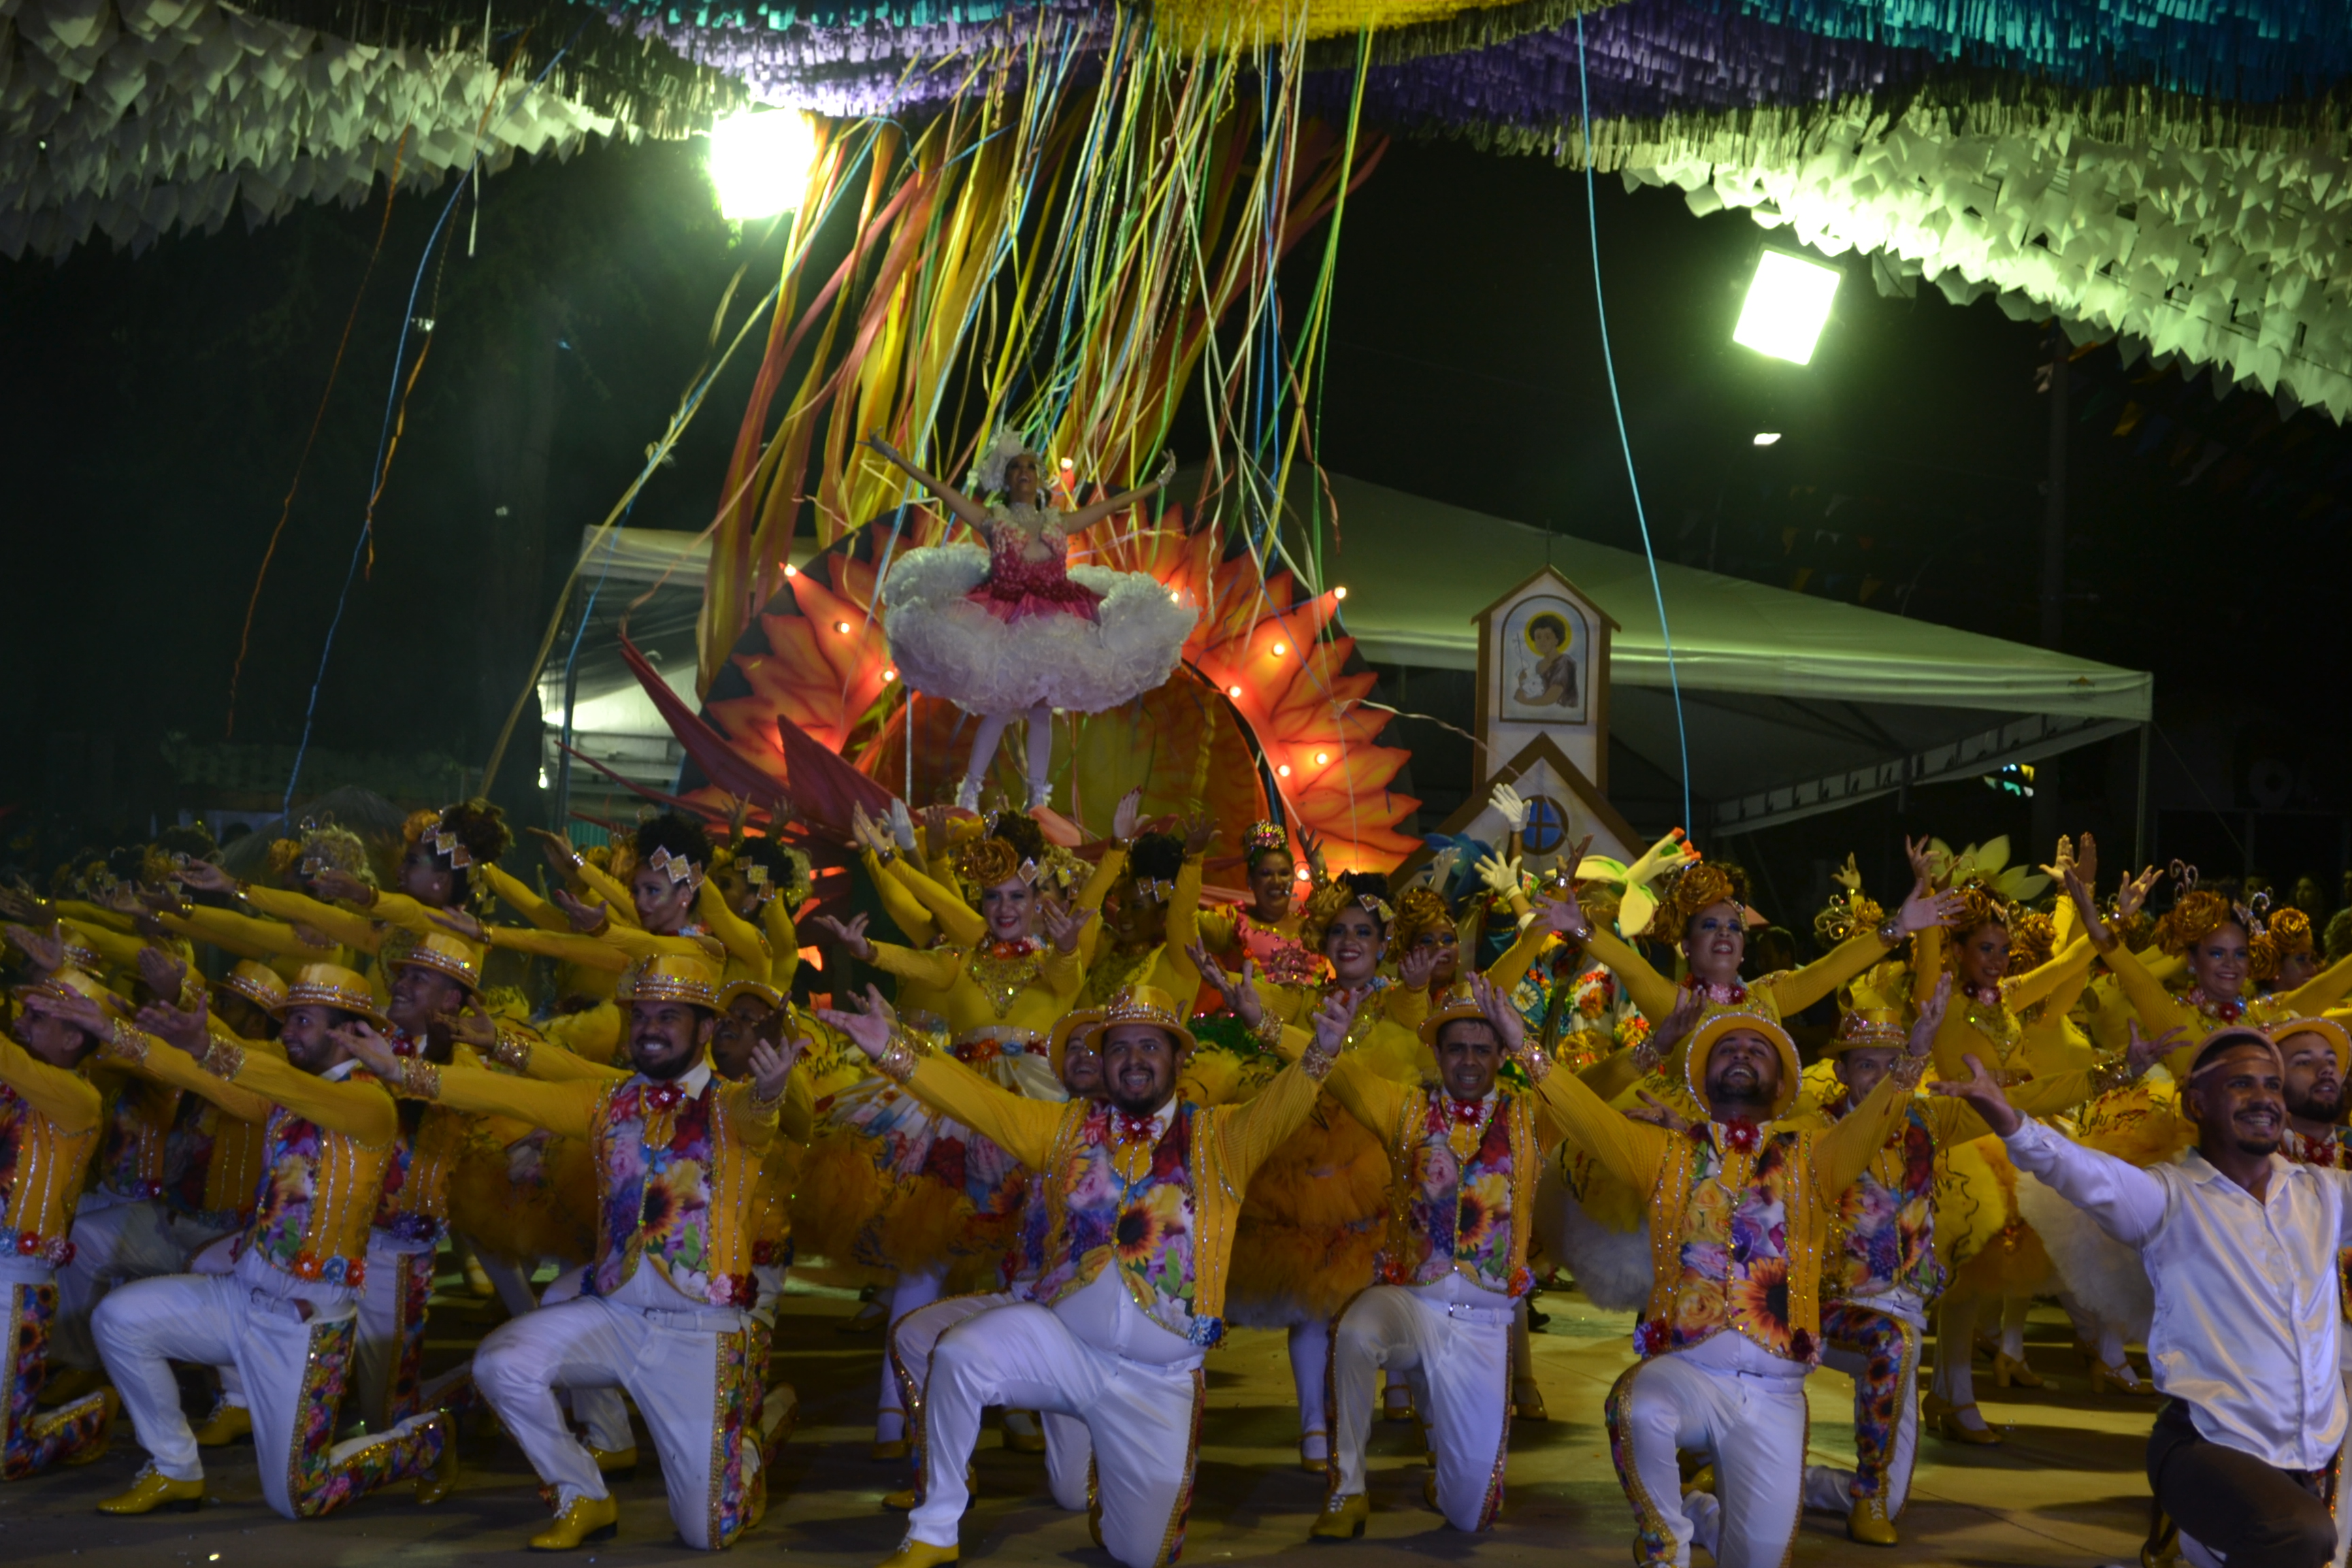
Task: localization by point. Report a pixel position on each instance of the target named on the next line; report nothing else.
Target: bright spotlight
(1768, 437)
(1786, 304)
(760, 162)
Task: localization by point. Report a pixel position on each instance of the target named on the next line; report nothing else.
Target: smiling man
(2240, 1245)
(1144, 1190)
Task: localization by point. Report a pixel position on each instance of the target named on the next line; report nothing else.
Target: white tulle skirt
(946, 645)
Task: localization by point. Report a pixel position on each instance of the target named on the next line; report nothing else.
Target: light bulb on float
(1788, 304)
(760, 162)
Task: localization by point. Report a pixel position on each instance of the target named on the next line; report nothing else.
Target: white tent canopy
(1793, 704)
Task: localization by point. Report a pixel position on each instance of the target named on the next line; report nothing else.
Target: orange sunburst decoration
(1260, 654)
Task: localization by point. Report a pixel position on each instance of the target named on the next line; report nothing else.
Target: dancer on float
(1002, 997)
(286, 1316)
(1739, 1208)
(1011, 631)
(1266, 930)
(1310, 1225)
(2240, 1246)
(1069, 1453)
(1135, 1266)
(669, 1313)
(1883, 1271)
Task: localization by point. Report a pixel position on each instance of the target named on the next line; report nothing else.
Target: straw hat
(1138, 1005)
(1077, 1021)
(330, 985)
(1456, 1004)
(1703, 1043)
(2327, 1029)
(446, 954)
(738, 988)
(257, 982)
(669, 977)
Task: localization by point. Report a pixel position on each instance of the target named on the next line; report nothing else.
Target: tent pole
(562, 823)
(2140, 803)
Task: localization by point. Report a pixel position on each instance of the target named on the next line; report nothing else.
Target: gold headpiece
(668, 977)
(2287, 935)
(257, 982)
(1139, 1005)
(1699, 885)
(985, 862)
(676, 868)
(1845, 917)
(330, 985)
(2198, 915)
(1419, 911)
(448, 954)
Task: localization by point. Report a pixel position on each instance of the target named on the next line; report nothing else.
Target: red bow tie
(665, 1096)
(1468, 1111)
(1135, 1129)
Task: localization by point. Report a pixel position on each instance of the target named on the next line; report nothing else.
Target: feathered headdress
(988, 473)
(1987, 863)
(2287, 934)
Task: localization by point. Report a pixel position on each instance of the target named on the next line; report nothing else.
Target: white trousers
(293, 1373)
(391, 1327)
(1069, 1452)
(1456, 1351)
(602, 1411)
(113, 1244)
(1752, 1428)
(694, 1374)
(1143, 1420)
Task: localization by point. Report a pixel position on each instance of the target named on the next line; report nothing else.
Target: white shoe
(967, 792)
(1041, 794)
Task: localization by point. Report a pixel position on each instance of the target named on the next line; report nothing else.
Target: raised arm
(1090, 897)
(566, 1110)
(1364, 1094)
(1253, 1131)
(1024, 1128)
(784, 943)
(66, 1097)
(244, 935)
(2323, 990)
(353, 929)
(943, 905)
(2158, 1010)
(1087, 517)
(523, 898)
(1630, 1150)
(1923, 910)
(744, 942)
(956, 501)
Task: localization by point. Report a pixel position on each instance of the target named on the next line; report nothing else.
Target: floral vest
(317, 1196)
(1149, 1231)
(414, 1202)
(1447, 1213)
(1735, 1242)
(40, 1178)
(672, 1187)
(135, 1153)
(1883, 1236)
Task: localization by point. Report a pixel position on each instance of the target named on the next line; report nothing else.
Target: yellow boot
(1343, 1517)
(442, 1479)
(1868, 1523)
(919, 1554)
(1942, 1418)
(588, 1518)
(153, 1490)
(227, 1424)
(66, 1384)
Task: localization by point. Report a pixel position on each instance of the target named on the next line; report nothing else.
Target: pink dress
(1016, 589)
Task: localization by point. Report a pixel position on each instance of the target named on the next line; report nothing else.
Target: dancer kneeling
(2240, 1248)
(1144, 1194)
(668, 1315)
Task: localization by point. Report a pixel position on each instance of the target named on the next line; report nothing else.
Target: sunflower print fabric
(655, 1148)
(1144, 1227)
(1733, 1264)
(1885, 1230)
(1457, 1214)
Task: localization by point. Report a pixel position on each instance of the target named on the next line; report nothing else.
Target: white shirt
(2246, 1296)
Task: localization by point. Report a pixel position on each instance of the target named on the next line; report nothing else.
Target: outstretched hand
(1658, 1113)
(1125, 816)
(1662, 1042)
(1983, 1093)
(2134, 893)
(188, 1029)
(465, 923)
(1931, 1016)
(2144, 1053)
(45, 949)
(163, 972)
(1510, 1029)
(1417, 966)
(340, 886)
(771, 1066)
(1239, 992)
(2088, 910)
(868, 1027)
(851, 936)
(1336, 1016)
(1064, 925)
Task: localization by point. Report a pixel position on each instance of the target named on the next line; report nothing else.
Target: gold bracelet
(1536, 1064)
(897, 1061)
(1908, 1070)
(418, 1078)
(512, 1049)
(1269, 1030)
(1318, 1061)
(2108, 1076)
(224, 1059)
(125, 1041)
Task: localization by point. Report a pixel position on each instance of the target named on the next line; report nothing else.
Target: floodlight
(1786, 304)
(1768, 437)
(760, 162)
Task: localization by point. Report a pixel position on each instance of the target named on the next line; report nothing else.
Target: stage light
(1786, 304)
(760, 162)
(791, 570)
(1235, 692)
(1768, 437)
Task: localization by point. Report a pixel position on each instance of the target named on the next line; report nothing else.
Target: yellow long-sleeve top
(572, 979)
(613, 949)
(768, 951)
(1776, 995)
(2160, 1009)
(120, 949)
(274, 942)
(1462, 1194)
(1023, 989)
(1385, 1036)
(1993, 1030)
(49, 1119)
(1163, 1214)
(1721, 1263)
(329, 1137)
(967, 928)
(906, 910)
(415, 1205)
(1111, 969)
(391, 919)
(678, 1167)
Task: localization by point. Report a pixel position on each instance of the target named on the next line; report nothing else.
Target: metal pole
(2139, 806)
(563, 754)
(2045, 813)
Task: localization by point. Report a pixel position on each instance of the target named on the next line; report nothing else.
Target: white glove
(902, 827)
(1500, 876)
(1439, 872)
(1507, 800)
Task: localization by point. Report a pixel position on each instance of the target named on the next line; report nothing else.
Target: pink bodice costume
(1017, 588)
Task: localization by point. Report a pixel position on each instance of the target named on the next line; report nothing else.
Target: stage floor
(2066, 1489)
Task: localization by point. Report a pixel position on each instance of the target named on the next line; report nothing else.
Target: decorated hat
(760, 988)
(257, 982)
(1138, 1005)
(71, 981)
(2327, 1029)
(2222, 1038)
(330, 985)
(1870, 1019)
(449, 953)
(1702, 1048)
(668, 977)
(1453, 1006)
(1077, 1021)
